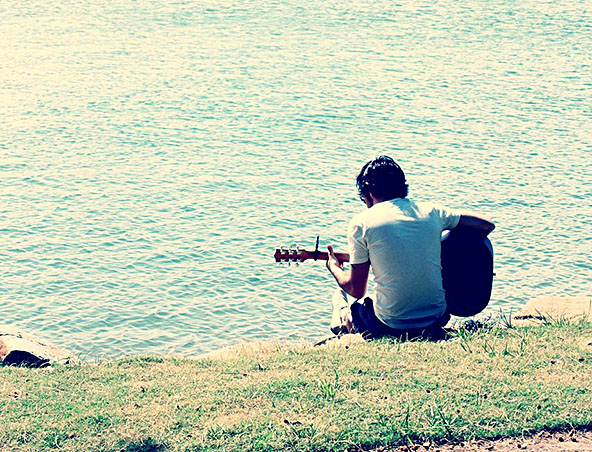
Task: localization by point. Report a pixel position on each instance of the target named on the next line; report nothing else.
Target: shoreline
(21, 348)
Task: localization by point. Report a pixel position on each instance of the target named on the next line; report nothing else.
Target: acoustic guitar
(467, 270)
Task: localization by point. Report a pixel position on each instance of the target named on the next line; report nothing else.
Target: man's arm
(355, 280)
(470, 224)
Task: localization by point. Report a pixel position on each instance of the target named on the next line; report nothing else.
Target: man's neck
(373, 200)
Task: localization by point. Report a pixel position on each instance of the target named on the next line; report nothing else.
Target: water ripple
(153, 155)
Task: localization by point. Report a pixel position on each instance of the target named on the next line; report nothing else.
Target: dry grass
(483, 384)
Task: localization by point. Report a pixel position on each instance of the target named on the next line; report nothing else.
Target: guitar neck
(323, 256)
(298, 255)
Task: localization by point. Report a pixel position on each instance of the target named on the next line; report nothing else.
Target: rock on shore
(21, 349)
(548, 309)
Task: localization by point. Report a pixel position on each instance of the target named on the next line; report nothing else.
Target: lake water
(154, 154)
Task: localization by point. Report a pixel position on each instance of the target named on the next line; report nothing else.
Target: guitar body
(467, 273)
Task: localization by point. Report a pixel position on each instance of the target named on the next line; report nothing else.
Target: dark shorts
(366, 323)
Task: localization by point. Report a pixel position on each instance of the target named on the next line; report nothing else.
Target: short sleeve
(356, 243)
(448, 217)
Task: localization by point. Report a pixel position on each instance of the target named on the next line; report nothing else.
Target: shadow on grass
(143, 445)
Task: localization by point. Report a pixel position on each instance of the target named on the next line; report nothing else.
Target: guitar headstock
(290, 255)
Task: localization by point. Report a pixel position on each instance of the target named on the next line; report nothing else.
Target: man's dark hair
(383, 178)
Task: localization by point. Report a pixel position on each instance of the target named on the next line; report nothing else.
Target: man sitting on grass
(400, 240)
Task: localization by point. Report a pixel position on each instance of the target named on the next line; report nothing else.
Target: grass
(487, 383)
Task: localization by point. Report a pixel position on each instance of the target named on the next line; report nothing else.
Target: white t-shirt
(402, 241)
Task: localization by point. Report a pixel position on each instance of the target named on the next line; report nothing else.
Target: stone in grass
(21, 349)
(548, 309)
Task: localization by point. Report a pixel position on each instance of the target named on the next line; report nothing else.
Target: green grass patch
(482, 384)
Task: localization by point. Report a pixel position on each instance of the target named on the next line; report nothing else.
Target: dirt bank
(574, 441)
